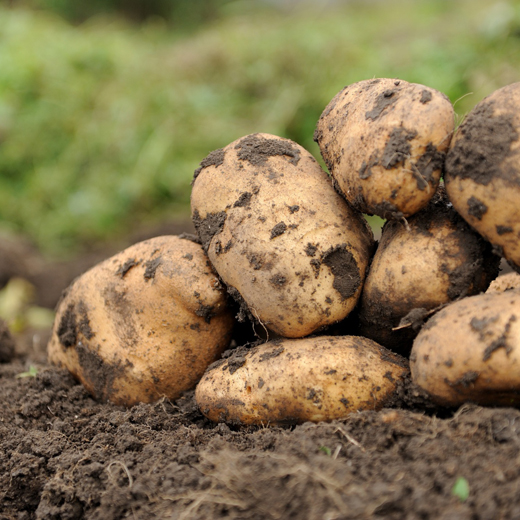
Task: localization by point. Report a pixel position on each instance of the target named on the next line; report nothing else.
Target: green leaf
(32, 372)
(326, 450)
(460, 489)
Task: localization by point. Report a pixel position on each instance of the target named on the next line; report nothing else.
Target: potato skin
(288, 381)
(429, 261)
(470, 351)
(143, 324)
(384, 142)
(483, 171)
(288, 247)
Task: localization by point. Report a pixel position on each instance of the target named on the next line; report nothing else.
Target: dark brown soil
(65, 456)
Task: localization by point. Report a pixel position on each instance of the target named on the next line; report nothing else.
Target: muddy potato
(483, 171)
(288, 247)
(290, 381)
(143, 324)
(429, 261)
(470, 351)
(384, 142)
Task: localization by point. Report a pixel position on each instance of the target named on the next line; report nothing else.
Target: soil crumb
(257, 150)
(485, 142)
(345, 270)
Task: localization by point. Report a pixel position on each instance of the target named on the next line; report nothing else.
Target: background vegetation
(104, 118)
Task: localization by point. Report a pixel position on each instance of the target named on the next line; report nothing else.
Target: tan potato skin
(293, 381)
(470, 351)
(384, 142)
(279, 235)
(483, 171)
(429, 261)
(143, 324)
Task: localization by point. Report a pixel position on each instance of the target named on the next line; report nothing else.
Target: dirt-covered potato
(290, 381)
(432, 260)
(288, 247)
(384, 142)
(483, 170)
(143, 324)
(470, 351)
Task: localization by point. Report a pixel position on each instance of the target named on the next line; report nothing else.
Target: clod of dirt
(257, 150)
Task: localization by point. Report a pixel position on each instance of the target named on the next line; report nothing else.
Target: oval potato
(143, 324)
(483, 171)
(470, 351)
(292, 381)
(288, 247)
(429, 261)
(384, 142)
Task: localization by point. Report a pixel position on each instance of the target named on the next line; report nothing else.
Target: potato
(287, 246)
(483, 171)
(384, 142)
(290, 381)
(505, 282)
(434, 259)
(143, 324)
(470, 351)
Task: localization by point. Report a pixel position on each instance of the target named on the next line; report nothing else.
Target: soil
(64, 455)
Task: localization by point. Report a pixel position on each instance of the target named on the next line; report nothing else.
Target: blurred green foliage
(184, 14)
(102, 124)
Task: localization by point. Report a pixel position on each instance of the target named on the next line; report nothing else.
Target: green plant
(102, 125)
(460, 489)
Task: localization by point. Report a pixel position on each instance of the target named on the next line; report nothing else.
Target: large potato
(143, 324)
(470, 351)
(288, 247)
(384, 142)
(483, 170)
(289, 381)
(433, 259)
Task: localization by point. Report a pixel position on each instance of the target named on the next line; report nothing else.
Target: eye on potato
(483, 171)
(470, 351)
(143, 324)
(433, 259)
(288, 247)
(290, 381)
(384, 142)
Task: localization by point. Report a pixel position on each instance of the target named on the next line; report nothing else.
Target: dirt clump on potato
(505, 282)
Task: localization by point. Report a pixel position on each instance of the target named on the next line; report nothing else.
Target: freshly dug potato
(483, 171)
(288, 247)
(434, 259)
(384, 142)
(505, 282)
(289, 381)
(143, 324)
(470, 351)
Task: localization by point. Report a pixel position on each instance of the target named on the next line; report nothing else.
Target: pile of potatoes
(337, 320)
